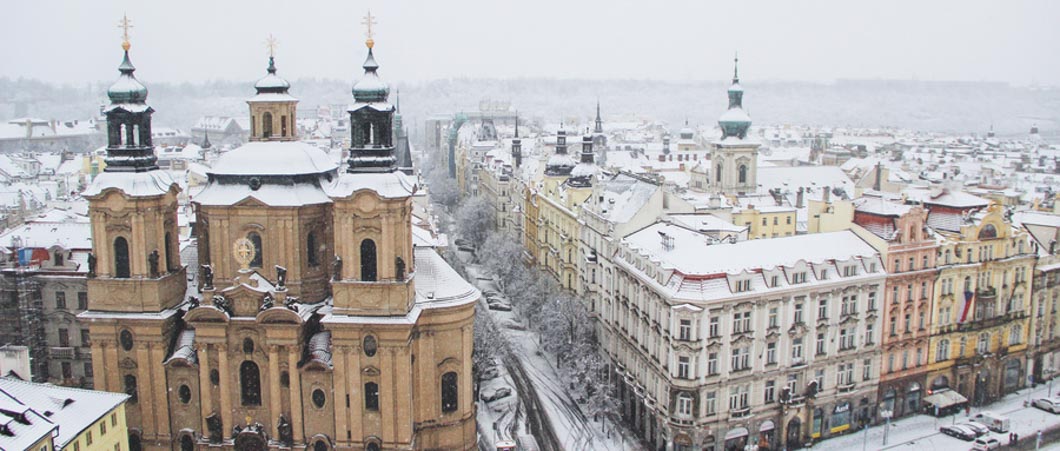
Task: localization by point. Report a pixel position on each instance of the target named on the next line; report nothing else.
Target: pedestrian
(1010, 439)
(1015, 438)
(968, 409)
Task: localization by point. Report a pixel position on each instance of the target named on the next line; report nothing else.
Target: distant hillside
(958, 107)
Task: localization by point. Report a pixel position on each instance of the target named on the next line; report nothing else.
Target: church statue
(281, 277)
(336, 268)
(222, 303)
(152, 260)
(291, 303)
(207, 277)
(193, 302)
(213, 423)
(91, 265)
(268, 302)
(283, 427)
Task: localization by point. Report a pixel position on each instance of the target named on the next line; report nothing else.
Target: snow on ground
(922, 431)
(497, 419)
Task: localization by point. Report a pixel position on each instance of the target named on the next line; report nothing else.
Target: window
(740, 359)
(770, 392)
(710, 402)
(738, 397)
(866, 369)
(743, 173)
(798, 313)
(872, 301)
(984, 343)
(121, 258)
(920, 321)
(449, 392)
(773, 321)
(399, 269)
(283, 125)
(368, 273)
(845, 374)
(1015, 334)
(923, 290)
(88, 438)
(870, 332)
(266, 125)
(684, 404)
(248, 346)
(771, 353)
(894, 325)
(850, 270)
(850, 305)
(312, 253)
(685, 329)
(250, 383)
(894, 295)
(102, 428)
(743, 285)
(820, 344)
(60, 300)
(713, 328)
(82, 300)
(371, 396)
(255, 239)
(799, 277)
(130, 388)
(907, 322)
(370, 345)
(184, 394)
(67, 370)
(847, 339)
(319, 398)
(818, 375)
(741, 322)
(712, 363)
(822, 309)
(64, 337)
(796, 350)
(682, 367)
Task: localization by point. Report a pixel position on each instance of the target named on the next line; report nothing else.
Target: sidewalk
(922, 431)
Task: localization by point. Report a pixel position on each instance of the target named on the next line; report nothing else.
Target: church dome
(127, 89)
(370, 88)
(273, 158)
(734, 122)
(272, 83)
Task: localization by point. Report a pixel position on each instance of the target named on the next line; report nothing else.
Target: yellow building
(766, 221)
(981, 304)
(73, 418)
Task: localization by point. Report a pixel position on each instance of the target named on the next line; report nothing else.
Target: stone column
(205, 400)
(226, 394)
(274, 389)
(296, 394)
(99, 373)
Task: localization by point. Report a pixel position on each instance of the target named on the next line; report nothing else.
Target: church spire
(371, 117)
(599, 122)
(129, 146)
(735, 121)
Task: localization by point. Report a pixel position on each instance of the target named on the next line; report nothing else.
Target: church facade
(312, 320)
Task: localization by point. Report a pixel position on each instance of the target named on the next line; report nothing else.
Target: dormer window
(850, 270)
(743, 285)
(799, 277)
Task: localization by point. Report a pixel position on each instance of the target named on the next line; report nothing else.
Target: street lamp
(1049, 370)
(886, 414)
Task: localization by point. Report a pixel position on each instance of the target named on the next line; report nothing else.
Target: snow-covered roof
(224, 194)
(791, 178)
(705, 223)
(880, 206)
(692, 253)
(946, 198)
(73, 409)
(386, 184)
(150, 183)
(273, 158)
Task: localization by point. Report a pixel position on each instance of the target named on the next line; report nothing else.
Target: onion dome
(127, 89)
(370, 88)
(735, 121)
(272, 83)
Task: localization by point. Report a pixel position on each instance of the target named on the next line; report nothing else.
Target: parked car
(986, 444)
(960, 432)
(996, 422)
(493, 395)
(979, 429)
(1048, 404)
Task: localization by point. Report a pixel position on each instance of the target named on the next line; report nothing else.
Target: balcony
(846, 388)
(64, 352)
(742, 412)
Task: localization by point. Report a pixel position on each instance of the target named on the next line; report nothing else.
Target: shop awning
(736, 433)
(766, 426)
(945, 398)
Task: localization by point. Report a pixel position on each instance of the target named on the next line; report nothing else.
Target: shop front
(736, 439)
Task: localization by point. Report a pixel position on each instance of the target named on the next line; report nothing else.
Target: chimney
(715, 201)
(799, 199)
(827, 195)
(879, 177)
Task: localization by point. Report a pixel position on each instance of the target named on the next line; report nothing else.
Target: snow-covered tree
(474, 219)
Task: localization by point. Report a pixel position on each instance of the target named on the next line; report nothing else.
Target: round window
(184, 393)
(126, 340)
(319, 398)
(370, 346)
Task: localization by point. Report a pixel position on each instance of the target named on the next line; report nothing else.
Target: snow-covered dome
(127, 89)
(559, 164)
(271, 82)
(370, 88)
(273, 158)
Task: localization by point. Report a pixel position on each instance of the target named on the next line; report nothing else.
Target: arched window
(984, 343)
(169, 252)
(399, 268)
(250, 383)
(449, 392)
(121, 134)
(283, 126)
(320, 445)
(187, 443)
(942, 352)
(311, 249)
(266, 125)
(1015, 335)
(130, 388)
(717, 175)
(743, 173)
(134, 442)
(255, 239)
(967, 284)
(121, 258)
(371, 396)
(248, 345)
(368, 272)
(987, 232)
(372, 446)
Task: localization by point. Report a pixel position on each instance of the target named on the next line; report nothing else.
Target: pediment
(250, 201)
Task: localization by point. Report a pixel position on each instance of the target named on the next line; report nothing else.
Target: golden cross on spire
(368, 22)
(270, 43)
(125, 24)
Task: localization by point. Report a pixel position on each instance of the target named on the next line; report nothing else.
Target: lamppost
(1049, 370)
(886, 414)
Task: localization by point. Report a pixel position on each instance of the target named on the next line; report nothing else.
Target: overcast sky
(194, 40)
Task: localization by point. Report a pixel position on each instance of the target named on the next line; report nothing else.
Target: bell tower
(734, 157)
(272, 110)
(136, 281)
(373, 266)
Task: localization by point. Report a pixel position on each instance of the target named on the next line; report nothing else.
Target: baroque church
(312, 319)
